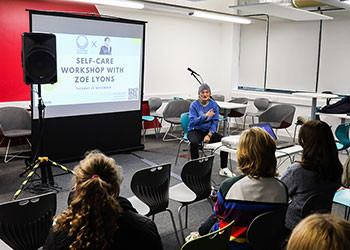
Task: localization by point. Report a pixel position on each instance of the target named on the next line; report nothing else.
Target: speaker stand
(44, 163)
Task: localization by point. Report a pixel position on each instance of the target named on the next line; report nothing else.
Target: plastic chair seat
(256, 114)
(340, 146)
(147, 118)
(342, 197)
(140, 207)
(175, 120)
(342, 134)
(156, 114)
(274, 124)
(17, 133)
(182, 193)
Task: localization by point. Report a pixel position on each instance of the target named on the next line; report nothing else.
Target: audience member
(244, 197)
(97, 217)
(318, 171)
(204, 118)
(321, 232)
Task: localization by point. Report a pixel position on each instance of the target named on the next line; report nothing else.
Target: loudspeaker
(39, 58)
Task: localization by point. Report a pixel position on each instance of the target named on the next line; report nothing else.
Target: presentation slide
(96, 73)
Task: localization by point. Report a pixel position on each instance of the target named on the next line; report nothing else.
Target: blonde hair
(321, 232)
(91, 218)
(256, 153)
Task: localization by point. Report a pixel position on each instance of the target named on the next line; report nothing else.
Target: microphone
(192, 71)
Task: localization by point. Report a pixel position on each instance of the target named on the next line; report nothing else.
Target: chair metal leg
(245, 116)
(174, 226)
(160, 123)
(295, 132)
(167, 132)
(180, 223)
(186, 219)
(7, 151)
(28, 142)
(6, 159)
(289, 133)
(178, 151)
(155, 129)
(144, 131)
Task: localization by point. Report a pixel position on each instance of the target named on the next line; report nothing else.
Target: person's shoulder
(195, 103)
(57, 240)
(131, 216)
(212, 102)
(295, 167)
(226, 184)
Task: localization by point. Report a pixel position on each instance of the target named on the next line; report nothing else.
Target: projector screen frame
(68, 138)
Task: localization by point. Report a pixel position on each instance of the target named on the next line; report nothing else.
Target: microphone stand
(200, 82)
(194, 75)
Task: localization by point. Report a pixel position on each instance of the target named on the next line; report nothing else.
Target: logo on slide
(82, 42)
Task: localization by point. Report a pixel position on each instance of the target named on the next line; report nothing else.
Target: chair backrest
(14, 118)
(282, 114)
(175, 108)
(218, 240)
(151, 185)
(238, 112)
(342, 134)
(318, 203)
(196, 174)
(219, 97)
(185, 120)
(25, 223)
(154, 103)
(268, 239)
(261, 103)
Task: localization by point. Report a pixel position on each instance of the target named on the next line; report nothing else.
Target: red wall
(14, 20)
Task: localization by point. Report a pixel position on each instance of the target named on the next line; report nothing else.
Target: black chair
(25, 223)
(151, 189)
(195, 185)
(266, 231)
(218, 240)
(318, 203)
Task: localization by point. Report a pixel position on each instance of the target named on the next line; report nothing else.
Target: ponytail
(91, 218)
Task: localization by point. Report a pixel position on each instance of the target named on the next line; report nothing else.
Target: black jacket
(134, 232)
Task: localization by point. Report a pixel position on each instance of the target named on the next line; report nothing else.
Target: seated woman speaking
(256, 191)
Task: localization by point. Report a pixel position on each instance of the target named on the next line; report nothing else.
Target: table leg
(225, 122)
(313, 108)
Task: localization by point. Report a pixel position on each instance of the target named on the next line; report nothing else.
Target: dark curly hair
(91, 218)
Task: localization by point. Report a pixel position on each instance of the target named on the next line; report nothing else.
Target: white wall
(174, 43)
(292, 58)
